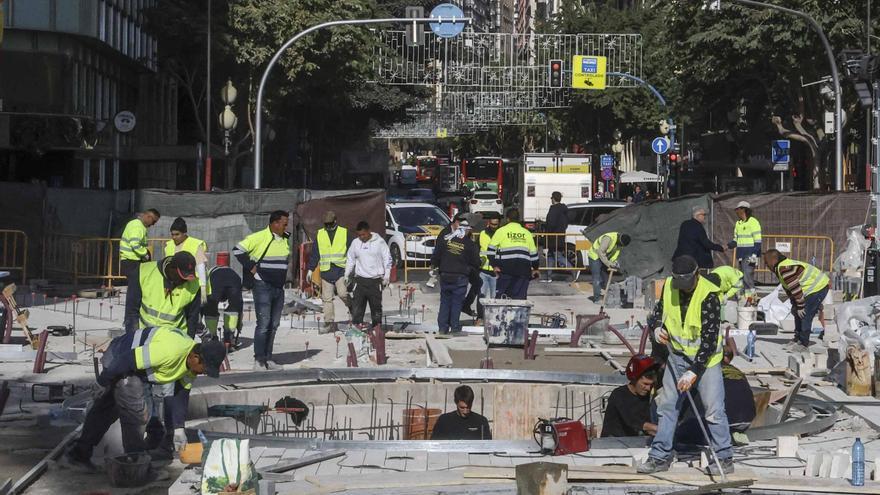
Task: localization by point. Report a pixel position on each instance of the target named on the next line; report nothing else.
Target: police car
(411, 230)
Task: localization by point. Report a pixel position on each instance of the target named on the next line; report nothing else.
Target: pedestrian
(163, 293)
(369, 263)
(555, 227)
(687, 319)
(488, 277)
(224, 285)
(133, 362)
(463, 423)
(264, 257)
(603, 255)
(806, 287)
(133, 243)
(747, 241)
(693, 241)
(330, 253)
(514, 258)
(182, 241)
(638, 195)
(455, 257)
(473, 278)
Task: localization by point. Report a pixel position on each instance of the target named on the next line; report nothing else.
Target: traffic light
(673, 158)
(471, 108)
(556, 73)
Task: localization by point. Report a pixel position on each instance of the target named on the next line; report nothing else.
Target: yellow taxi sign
(442, 132)
(588, 72)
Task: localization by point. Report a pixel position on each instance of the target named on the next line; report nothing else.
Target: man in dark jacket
(455, 256)
(693, 241)
(557, 223)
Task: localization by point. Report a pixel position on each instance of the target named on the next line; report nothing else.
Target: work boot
(653, 465)
(273, 366)
(799, 348)
(330, 327)
(726, 466)
(76, 462)
(788, 345)
(259, 365)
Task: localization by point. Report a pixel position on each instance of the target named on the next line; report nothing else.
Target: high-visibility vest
(812, 279)
(158, 309)
(277, 254)
(133, 244)
(731, 280)
(514, 242)
(332, 253)
(747, 233)
(684, 336)
(191, 245)
(484, 251)
(613, 250)
(161, 353)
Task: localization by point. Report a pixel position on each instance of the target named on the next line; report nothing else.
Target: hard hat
(638, 365)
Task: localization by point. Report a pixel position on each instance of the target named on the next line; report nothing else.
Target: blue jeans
(669, 403)
(452, 294)
(487, 290)
(600, 277)
(268, 302)
(512, 286)
(803, 328)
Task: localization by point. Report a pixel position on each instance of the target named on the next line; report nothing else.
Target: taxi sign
(588, 72)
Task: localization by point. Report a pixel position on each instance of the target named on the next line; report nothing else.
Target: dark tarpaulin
(350, 209)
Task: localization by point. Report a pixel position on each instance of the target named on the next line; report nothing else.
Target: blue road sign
(445, 28)
(780, 151)
(589, 65)
(660, 145)
(607, 173)
(607, 161)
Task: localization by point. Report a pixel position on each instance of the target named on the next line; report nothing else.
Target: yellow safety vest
(747, 233)
(277, 254)
(332, 253)
(812, 279)
(484, 251)
(513, 241)
(731, 280)
(157, 309)
(161, 352)
(191, 245)
(613, 250)
(685, 336)
(133, 244)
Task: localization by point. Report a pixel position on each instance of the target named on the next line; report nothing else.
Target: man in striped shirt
(806, 287)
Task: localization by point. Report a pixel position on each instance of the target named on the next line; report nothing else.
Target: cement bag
(853, 254)
(775, 310)
(858, 372)
(228, 468)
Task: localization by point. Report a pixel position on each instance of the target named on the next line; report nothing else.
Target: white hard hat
(743, 204)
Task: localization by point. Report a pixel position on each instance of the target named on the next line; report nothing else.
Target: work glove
(687, 381)
(615, 266)
(731, 244)
(204, 296)
(800, 313)
(753, 260)
(661, 335)
(179, 439)
(309, 276)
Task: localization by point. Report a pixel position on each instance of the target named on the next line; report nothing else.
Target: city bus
(483, 172)
(426, 168)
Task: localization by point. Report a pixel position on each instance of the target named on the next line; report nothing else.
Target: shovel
(607, 286)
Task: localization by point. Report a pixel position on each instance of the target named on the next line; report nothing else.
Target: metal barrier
(13, 252)
(95, 258)
(815, 250)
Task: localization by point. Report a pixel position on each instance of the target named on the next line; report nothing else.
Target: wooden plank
(439, 352)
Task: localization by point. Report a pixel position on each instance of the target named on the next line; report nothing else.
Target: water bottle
(750, 345)
(858, 463)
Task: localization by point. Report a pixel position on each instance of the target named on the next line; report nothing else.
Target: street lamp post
(227, 118)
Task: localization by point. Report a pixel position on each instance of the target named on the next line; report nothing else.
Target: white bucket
(745, 316)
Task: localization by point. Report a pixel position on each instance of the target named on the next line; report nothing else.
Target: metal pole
(208, 108)
(258, 132)
(875, 165)
(838, 108)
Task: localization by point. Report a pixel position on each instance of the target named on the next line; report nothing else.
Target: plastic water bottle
(858, 463)
(750, 345)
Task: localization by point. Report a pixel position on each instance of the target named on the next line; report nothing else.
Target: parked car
(581, 216)
(485, 201)
(411, 231)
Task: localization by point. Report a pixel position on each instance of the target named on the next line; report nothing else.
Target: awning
(638, 176)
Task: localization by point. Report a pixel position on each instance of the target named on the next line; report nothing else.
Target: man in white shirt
(369, 260)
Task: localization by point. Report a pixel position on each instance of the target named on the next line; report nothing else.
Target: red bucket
(223, 258)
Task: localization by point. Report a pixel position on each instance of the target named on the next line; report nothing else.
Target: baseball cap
(185, 264)
(684, 270)
(329, 216)
(212, 352)
(743, 204)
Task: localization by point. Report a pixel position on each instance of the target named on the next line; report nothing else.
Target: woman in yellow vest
(181, 241)
(687, 320)
(806, 287)
(747, 241)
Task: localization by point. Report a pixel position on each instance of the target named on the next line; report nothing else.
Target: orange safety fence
(92, 258)
(815, 250)
(13, 252)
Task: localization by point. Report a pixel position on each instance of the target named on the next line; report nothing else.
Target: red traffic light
(673, 157)
(555, 66)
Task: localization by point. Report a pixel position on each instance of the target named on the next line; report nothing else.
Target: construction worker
(514, 258)
(158, 356)
(628, 413)
(329, 252)
(747, 241)
(456, 257)
(806, 287)
(368, 265)
(488, 277)
(603, 255)
(181, 241)
(224, 285)
(731, 281)
(687, 319)
(164, 293)
(462, 423)
(133, 244)
(264, 257)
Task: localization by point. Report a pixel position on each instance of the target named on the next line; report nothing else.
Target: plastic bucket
(223, 258)
(418, 423)
(506, 321)
(745, 315)
(129, 470)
